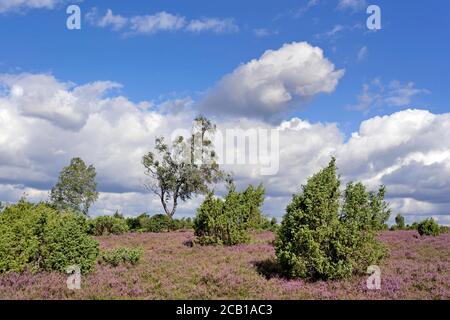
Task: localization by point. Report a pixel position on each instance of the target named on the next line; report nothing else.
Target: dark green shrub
(444, 229)
(136, 223)
(320, 240)
(107, 225)
(367, 209)
(37, 237)
(157, 223)
(414, 226)
(400, 222)
(267, 224)
(117, 256)
(66, 242)
(228, 221)
(182, 224)
(428, 228)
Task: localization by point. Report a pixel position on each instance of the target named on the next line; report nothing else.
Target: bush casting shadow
(268, 268)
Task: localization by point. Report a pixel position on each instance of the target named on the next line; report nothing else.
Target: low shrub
(267, 224)
(444, 229)
(413, 226)
(35, 237)
(157, 223)
(228, 221)
(428, 228)
(107, 225)
(118, 256)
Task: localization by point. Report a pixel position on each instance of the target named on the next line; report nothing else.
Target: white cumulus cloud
(270, 85)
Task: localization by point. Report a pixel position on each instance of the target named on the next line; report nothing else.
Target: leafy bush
(228, 221)
(107, 225)
(444, 229)
(414, 226)
(37, 237)
(400, 222)
(267, 224)
(117, 256)
(157, 223)
(428, 228)
(367, 209)
(319, 239)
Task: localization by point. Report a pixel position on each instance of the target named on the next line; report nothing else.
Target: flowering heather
(417, 268)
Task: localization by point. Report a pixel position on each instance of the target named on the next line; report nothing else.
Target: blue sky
(412, 47)
(402, 66)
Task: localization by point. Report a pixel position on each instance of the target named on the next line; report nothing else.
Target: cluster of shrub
(117, 224)
(228, 221)
(39, 237)
(427, 227)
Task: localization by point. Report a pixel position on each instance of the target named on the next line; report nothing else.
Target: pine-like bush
(228, 221)
(37, 237)
(321, 239)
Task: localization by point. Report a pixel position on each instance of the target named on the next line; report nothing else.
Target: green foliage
(117, 256)
(136, 223)
(320, 240)
(157, 223)
(400, 222)
(37, 237)
(367, 209)
(444, 229)
(76, 187)
(185, 170)
(414, 226)
(107, 225)
(428, 227)
(228, 221)
(267, 224)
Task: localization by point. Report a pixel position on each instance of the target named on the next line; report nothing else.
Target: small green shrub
(413, 226)
(157, 223)
(267, 224)
(444, 229)
(107, 225)
(428, 228)
(37, 237)
(118, 256)
(400, 222)
(228, 221)
(66, 242)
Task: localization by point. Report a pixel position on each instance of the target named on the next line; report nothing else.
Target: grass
(171, 268)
